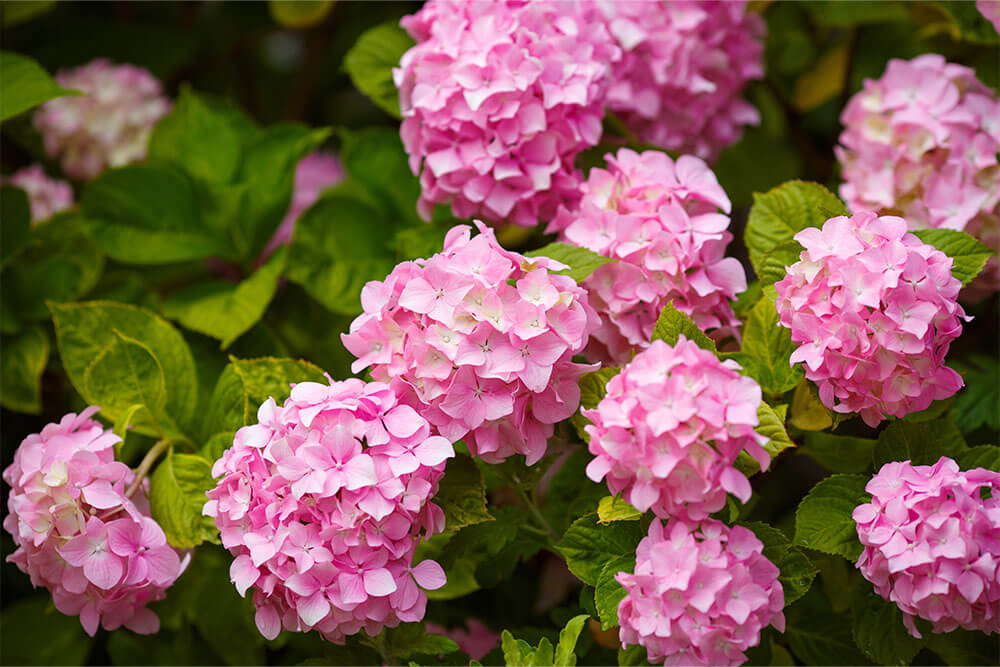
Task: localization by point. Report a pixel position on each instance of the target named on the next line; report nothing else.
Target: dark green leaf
(965, 647)
(823, 520)
(410, 638)
(920, 443)
(964, 21)
(632, 656)
(587, 546)
(766, 349)
(978, 403)
(608, 592)
(21, 364)
(370, 61)
(878, 628)
(16, 11)
(969, 256)
(983, 456)
(177, 496)
(840, 14)
(797, 572)
(462, 494)
(839, 453)
(24, 84)
(376, 162)
(581, 261)
(571, 493)
(672, 323)
(823, 638)
(15, 232)
(774, 265)
(65, 642)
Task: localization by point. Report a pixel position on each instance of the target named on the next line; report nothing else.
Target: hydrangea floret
(480, 341)
(666, 223)
(46, 196)
(497, 100)
(669, 429)
(314, 173)
(108, 125)
(323, 501)
(700, 595)
(922, 142)
(82, 527)
(684, 65)
(931, 537)
(873, 310)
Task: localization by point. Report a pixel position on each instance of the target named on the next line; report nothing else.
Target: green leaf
(587, 546)
(85, 329)
(613, 508)
(632, 655)
(839, 453)
(672, 323)
(568, 637)
(197, 138)
(21, 365)
(15, 232)
(65, 642)
(21, 11)
(608, 592)
(969, 256)
(782, 212)
(593, 387)
(963, 21)
(921, 443)
(965, 647)
(766, 349)
(978, 403)
(839, 14)
(375, 160)
(797, 572)
(983, 456)
(808, 412)
(223, 310)
(822, 638)
(581, 261)
(177, 495)
(462, 494)
(299, 13)
(148, 214)
(771, 425)
(370, 61)
(571, 492)
(124, 423)
(774, 265)
(24, 85)
(878, 628)
(409, 639)
(823, 520)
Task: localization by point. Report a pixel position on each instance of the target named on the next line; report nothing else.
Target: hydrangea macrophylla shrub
(922, 142)
(670, 427)
(323, 501)
(700, 595)
(108, 125)
(83, 530)
(46, 196)
(661, 220)
(684, 65)
(480, 341)
(497, 99)
(874, 311)
(931, 541)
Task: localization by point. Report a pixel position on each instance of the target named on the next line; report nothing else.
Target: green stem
(530, 501)
(146, 464)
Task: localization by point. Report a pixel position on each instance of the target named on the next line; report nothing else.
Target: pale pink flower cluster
(77, 532)
(874, 311)
(108, 125)
(314, 173)
(497, 99)
(931, 537)
(700, 595)
(990, 9)
(46, 196)
(661, 220)
(684, 65)
(479, 340)
(475, 639)
(323, 501)
(922, 142)
(670, 427)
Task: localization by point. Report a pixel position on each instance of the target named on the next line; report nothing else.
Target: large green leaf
(774, 265)
(462, 494)
(797, 572)
(965, 647)
(581, 261)
(920, 443)
(983, 456)
(177, 496)
(968, 255)
(978, 403)
(823, 638)
(24, 84)
(766, 349)
(878, 628)
(672, 323)
(21, 365)
(15, 232)
(65, 642)
(608, 592)
(614, 508)
(587, 546)
(375, 160)
(839, 453)
(823, 520)
(370, 61)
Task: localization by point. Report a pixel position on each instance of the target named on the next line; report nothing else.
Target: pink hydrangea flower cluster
(661, 220)
(700, 595)
(323, 501)
(497, 99)
(874, 311)
(932, 543)
(475, 641)
(78, 531)
(684, 65)
(314, 173)
(479, 340)
(922, 142)
(46, 196)
(108, 125)
(670, 427)
(990, 9)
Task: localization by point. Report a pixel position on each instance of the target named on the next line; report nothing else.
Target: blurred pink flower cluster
(874, 311)
(932, 543)
(479, 340)
(684, 65)
(497, 99)
(700, 595)
(323, 501)
(660, 219)
(922, 142)
(80, 535)
(108, 125)
(475, 639)
(669, 429)
(46, 196)
(990, 9)
(314, 173)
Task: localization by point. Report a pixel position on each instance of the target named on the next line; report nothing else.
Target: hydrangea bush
(539, 338)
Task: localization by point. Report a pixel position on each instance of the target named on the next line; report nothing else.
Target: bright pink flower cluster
(932, 543)
(480, 340)
(108, 125)
(990, 9)
(874, 310)
(497, 99)
(922, 142)
(670, 428)
(700, 595)
(660, 219)
(323, 501)
(684, 65)
(78, 532)
(476, 641)
(315, 172)
(46, 196)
